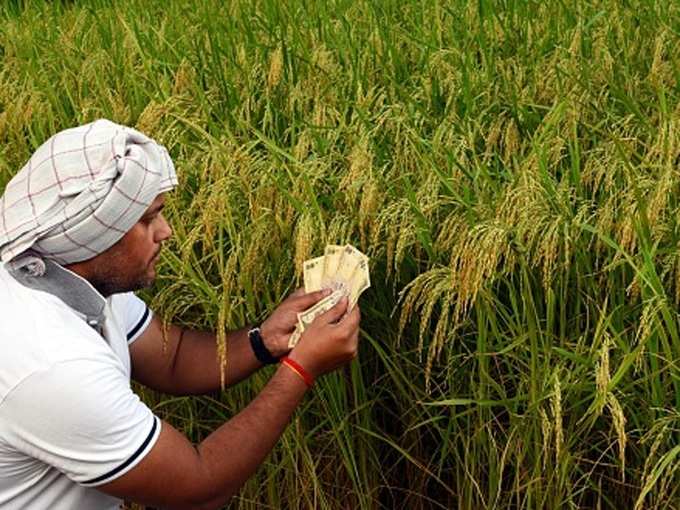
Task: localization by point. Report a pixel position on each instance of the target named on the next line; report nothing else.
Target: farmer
(81, 227)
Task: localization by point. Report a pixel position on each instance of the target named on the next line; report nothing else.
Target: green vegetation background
(511, 167)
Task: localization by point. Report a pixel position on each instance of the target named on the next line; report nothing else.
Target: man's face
(130, 263)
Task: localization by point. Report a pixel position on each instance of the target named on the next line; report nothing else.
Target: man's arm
(174, 474)
(186, 362)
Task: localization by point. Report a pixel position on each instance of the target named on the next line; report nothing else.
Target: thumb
(304, 301)
(335, 313)
(300, 291)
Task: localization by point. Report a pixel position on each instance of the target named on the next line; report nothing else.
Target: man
(81, 226)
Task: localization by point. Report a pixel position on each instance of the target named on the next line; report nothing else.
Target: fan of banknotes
(344, 270)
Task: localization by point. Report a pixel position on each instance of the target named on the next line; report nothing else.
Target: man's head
(89, 199)
(130, 263)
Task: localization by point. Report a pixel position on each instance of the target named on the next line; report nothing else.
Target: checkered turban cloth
(80, 192)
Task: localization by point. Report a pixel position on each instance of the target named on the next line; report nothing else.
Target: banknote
(313, 273)
(349, 263)
(343, 269)
(307, 317)
(361, 281)
(333, 257)
(295, 337)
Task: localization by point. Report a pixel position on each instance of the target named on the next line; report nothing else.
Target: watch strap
(261, 352)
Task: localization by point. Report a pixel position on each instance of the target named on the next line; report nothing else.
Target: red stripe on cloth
(54, 163)
(85, 148)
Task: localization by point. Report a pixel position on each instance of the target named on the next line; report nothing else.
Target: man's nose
(164, 231)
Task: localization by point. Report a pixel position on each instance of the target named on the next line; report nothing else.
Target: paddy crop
(510, 167)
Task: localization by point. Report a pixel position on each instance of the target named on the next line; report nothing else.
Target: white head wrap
(79, 193)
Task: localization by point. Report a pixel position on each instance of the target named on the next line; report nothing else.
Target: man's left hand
(278, 327)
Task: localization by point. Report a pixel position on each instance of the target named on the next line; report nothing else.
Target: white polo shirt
(69, 420)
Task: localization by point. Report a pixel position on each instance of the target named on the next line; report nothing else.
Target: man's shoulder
(37, 331)
(18, 298)
(28, 311)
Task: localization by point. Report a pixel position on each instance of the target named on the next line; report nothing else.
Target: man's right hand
(330, 341)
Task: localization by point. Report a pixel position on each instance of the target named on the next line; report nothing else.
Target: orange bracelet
(297, 368)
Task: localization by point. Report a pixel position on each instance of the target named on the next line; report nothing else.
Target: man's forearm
(197, 369)
(184, 363)
(250, 435)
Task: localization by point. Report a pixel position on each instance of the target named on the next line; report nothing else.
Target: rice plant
(510, 167)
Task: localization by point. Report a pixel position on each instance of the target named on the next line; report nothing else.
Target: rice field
(512, 169)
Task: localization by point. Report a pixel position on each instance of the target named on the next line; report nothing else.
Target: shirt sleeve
(133, 314)
(81, 417)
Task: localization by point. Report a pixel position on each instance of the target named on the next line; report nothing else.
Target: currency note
(351, 258)
(308, 316)
(344, 269)
(313, 273)
(361, 281)
(333, 258)
(294, 337)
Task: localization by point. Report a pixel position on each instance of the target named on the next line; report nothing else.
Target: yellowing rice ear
(275, 68)
(306, 233)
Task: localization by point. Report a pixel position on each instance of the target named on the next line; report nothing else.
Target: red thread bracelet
(297, 368)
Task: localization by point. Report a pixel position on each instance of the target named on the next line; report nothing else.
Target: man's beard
(108, 284)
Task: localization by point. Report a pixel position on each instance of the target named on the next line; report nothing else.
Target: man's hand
(278, 327)
(330, 341)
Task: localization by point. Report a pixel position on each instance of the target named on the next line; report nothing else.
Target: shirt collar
(72, 289)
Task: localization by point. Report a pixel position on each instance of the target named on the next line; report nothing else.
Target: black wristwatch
(261, 352)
